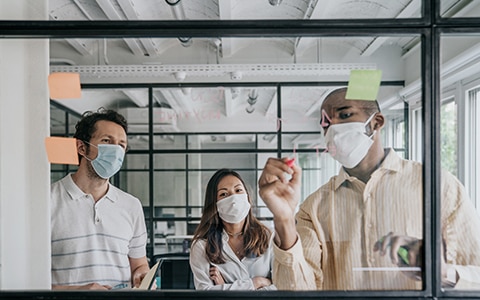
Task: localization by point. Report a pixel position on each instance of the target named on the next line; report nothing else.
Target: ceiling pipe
(274, 2)
(177, 9)
(179, 14)
(252, 99)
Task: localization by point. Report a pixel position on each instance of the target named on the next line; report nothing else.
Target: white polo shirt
(91, 242)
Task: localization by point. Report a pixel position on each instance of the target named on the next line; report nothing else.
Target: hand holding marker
(402, 253)
(290, 162)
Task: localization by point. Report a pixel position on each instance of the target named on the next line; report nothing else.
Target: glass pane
(222, 160)
(133, 161)
(267, 141)
(459, 142)
(448, 129)
(313, 141)
(459, 9)
(222, 141)
(169, 161)
(138, 142)
(208, 109)
(136, 184)
(200, 126)
(170, 189)
(62, 123)
(171, 237)
(237, 10)
(169, 141)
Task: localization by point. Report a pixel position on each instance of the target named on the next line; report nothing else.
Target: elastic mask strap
(85, 154)
(367, 123)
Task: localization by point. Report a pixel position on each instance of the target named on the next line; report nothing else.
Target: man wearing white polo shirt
(98, 231)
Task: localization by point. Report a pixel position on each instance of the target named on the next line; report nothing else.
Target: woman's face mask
(108, 161)
(234, 208)
(348, 143)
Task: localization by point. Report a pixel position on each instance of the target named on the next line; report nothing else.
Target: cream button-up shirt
(339, 224)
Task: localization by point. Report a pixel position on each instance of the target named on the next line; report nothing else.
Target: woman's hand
(215, 276)
(260, 282)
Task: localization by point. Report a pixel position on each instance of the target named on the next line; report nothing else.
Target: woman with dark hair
(231, 249)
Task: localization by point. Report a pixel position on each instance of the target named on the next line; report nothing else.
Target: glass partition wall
(183, 127)
(169, 174)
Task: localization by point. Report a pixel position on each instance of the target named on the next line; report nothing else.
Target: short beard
(91, 173)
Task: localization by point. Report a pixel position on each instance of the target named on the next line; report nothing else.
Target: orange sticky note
(64, 85)
(61, 150)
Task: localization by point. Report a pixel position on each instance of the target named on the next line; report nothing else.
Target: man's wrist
(286, 232)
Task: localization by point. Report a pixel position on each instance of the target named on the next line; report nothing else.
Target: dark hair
(85, 128)
(256, 236)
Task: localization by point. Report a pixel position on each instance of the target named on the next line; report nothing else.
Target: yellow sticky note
(61, 150)
(64, 85)
(363, 85)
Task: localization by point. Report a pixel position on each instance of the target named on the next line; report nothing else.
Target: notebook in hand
(149, 278)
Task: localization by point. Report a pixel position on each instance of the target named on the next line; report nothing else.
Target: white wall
(24, 169)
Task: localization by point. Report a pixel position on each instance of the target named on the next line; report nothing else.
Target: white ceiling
(230, 60)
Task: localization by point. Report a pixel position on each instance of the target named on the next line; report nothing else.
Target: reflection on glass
(222, 160)
(169, 141)
(459, 9)
(243, 10)
(199, 130)
(167, 161)
(138, 142)
(62, 123)
(312, 141)
(459, 144)
(170, 189)
(136, 183)
(209, 109)
(170, 236)
(358, 214)
(223, 141)
(448, 128)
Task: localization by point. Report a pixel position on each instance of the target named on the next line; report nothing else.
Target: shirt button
(370, 225)
(97, 220)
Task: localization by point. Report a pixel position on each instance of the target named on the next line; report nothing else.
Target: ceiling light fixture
(235, 91)
(252, 99)
(180, 76)
(236, 75)
(185, 41)
(274, 2)
(177, 9)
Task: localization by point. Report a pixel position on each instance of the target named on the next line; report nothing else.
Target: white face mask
(348, 143)
(234, 208)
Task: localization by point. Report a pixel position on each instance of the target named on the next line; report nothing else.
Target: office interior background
(222, 83)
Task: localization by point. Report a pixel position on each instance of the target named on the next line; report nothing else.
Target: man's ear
(81, 148)
(378, 121)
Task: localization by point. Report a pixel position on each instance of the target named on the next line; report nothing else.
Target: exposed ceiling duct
(236, 71)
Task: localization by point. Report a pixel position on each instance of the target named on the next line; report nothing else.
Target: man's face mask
(108, 161)
(348, 143)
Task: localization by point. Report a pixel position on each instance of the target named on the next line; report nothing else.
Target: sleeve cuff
(288, 257)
